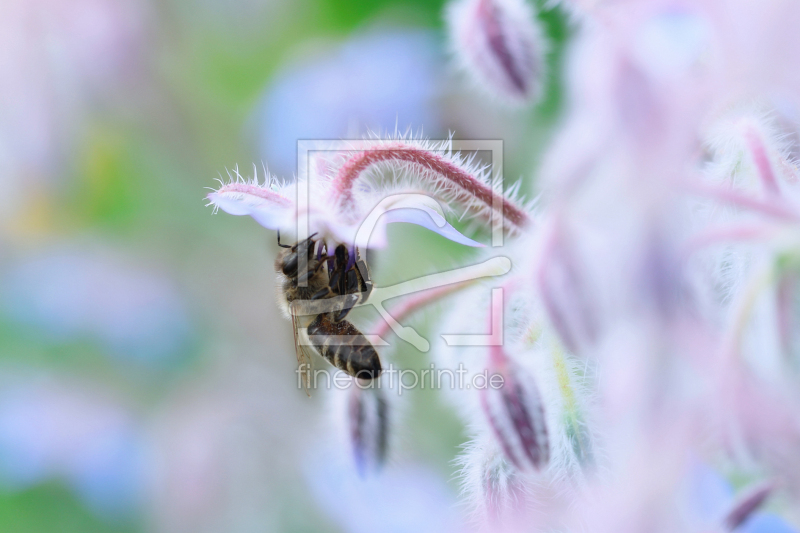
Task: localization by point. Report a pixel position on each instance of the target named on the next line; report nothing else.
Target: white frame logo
(492, 267)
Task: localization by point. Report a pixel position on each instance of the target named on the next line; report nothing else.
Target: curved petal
(275, 211)
(269, 208)
(423, 216)
(411, 208)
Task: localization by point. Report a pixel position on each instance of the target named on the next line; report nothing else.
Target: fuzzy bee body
(345, 279)
(351, 352)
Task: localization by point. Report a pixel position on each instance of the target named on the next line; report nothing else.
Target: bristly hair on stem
(430, 166)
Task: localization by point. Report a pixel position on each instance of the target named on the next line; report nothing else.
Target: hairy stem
(773, 208)
(440, 166)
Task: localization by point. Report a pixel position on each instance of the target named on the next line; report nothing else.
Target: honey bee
(343, 276)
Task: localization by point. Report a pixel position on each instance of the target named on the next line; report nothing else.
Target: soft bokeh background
(147, 380)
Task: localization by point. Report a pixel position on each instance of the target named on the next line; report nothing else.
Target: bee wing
(304, 360)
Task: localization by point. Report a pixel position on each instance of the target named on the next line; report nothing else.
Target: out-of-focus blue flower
(376, 81)
(410, 498)
(70, 295)
(710, 498)
(766, 523)
(708, 494)
(57, 432)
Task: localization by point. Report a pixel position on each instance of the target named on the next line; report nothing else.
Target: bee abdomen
(346, 348)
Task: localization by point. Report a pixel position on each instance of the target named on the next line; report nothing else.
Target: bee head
(288, 264)
(288, 260)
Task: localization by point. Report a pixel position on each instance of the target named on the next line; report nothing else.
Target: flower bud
(516, 415)
(368, 417)
(496, 490)
(498, 42)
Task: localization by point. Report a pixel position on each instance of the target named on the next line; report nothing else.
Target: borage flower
(349, 196)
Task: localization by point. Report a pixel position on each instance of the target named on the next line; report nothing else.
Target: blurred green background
(147, 379)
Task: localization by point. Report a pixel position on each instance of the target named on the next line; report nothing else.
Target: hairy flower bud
(498, 42)
(516, 414)
(368, 417)
(494, 485)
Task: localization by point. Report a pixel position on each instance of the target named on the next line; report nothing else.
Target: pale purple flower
(59, 430)
(58, 58)
(348, 188)
(377, 80)
(76, 292)
(411, 497)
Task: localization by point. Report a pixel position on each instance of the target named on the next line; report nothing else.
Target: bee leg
(305, 276)
(335, 278)
(350, 301)
(351, 283)
(343, 281)
(322, 262)
(333, 284)
(291, 264)
(304, 242)
(290, 267)
(325, 292)
(339, 280)
(279, 241)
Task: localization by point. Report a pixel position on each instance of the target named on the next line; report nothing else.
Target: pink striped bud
(499, 43)
(516, 414)
(368, 416)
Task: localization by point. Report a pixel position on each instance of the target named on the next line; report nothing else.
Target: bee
(342, 276)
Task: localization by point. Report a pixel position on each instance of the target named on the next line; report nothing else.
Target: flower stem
(440, 166)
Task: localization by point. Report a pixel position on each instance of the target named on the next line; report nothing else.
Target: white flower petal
(275, 211)
(431, 220)
(417, 209)
(269, 208)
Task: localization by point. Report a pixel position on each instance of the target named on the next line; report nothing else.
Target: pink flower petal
(269, 208)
